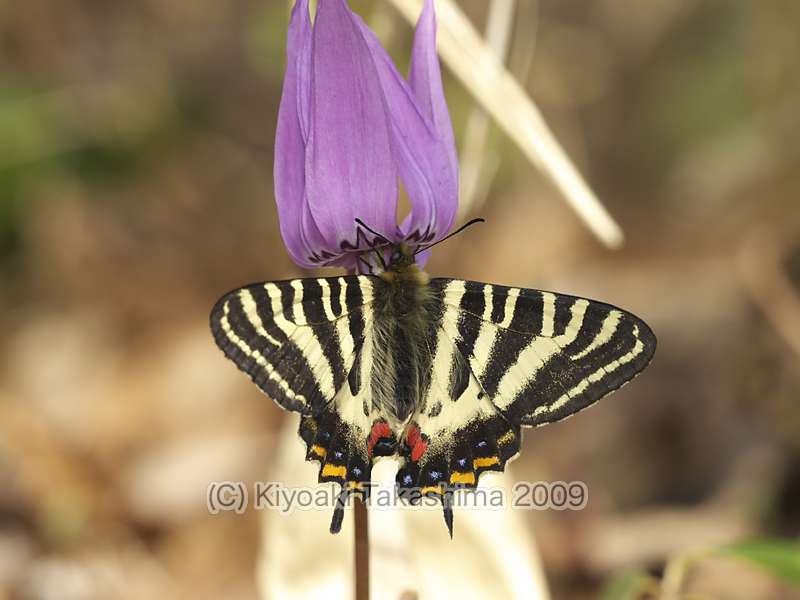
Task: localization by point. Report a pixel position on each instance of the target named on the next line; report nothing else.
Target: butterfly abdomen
(404, 319)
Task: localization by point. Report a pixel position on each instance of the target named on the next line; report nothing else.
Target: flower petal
(422, 258)
(289, 169)
(349, 168)
(425, 77)
(423, 158)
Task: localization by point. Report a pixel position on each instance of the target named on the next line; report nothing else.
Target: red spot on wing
(413, 436)
(417, 442)
(379, 430)
(418, 450)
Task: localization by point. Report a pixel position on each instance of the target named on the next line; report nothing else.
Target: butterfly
(441, 373)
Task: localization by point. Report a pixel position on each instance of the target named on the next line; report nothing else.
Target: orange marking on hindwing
(467, 478)
(487, 461)
(330, 470)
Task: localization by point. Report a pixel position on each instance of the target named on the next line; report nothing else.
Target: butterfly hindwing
(456, 432)
(451, 440)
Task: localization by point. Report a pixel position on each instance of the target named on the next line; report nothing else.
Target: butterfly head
(402, 262)
(402, 266)
(402, 257)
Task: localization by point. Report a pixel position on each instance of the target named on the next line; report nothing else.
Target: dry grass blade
(474, 63)
(478, 169)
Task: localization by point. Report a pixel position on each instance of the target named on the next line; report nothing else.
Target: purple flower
(350, 125)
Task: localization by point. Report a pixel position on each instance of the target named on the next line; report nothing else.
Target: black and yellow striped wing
(491, 360)
(506, 358)
(543, 356)
(297, 339)
(307, 344)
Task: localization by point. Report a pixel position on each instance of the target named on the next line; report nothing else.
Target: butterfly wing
(543, 356)
(297, 339)
(349, 433)
(304, 342)
(509, 357)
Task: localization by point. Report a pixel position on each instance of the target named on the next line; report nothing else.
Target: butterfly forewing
(542, 356)
(297, 339)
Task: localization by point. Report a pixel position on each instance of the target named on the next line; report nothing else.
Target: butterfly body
(404, 314)
(442, 373)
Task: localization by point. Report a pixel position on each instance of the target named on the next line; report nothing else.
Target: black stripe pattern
(445, 374)
(542, 356)
(297, 339)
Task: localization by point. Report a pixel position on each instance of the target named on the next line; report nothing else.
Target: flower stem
(361, 549)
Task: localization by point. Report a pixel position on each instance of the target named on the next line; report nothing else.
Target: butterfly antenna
(372, 231)
(380, 259)
(444, 239)
(384, 242)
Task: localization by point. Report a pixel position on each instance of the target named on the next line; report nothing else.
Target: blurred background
(136, 187)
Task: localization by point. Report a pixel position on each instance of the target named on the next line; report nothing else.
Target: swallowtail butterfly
(443, 373)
